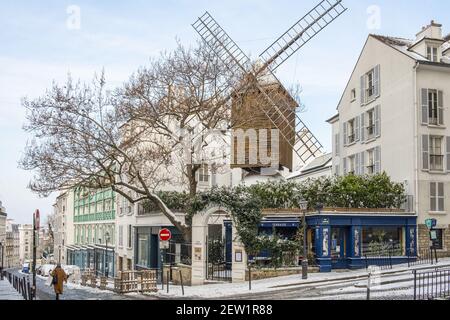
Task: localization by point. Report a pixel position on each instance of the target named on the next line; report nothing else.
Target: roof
(402, 45)
(317, 164)
(333, 118)
(405, 46)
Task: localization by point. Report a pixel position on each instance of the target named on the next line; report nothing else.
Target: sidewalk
(223, 290)
(7, 292)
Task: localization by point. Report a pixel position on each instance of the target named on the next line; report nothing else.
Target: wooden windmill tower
(259, 100)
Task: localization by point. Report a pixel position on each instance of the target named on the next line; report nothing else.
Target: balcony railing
(436, 162)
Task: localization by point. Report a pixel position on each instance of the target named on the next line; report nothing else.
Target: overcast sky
(40, 42)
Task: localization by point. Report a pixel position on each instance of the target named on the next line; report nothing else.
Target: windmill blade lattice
(301, 32)
(222, 45)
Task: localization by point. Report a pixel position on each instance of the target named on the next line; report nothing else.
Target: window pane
(382, 241)
(433, 204)
(143, 250)
(433, 189)
(440, 189)
(441, 204)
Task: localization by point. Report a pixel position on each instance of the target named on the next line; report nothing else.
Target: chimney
(432, 31)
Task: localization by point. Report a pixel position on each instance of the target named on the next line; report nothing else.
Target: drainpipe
(416, 150)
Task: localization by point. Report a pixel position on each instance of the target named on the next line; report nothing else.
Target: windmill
(271, 105)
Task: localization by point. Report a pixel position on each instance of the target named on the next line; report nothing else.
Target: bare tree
(129, 140)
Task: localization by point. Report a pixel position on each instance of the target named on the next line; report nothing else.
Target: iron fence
(431, 285)
(424, 256)
(20, 284)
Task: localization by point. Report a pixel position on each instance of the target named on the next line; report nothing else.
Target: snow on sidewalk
(7, 292)
(273, 284)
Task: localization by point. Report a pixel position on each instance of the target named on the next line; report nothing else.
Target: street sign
(431, 223)
(165, 235)
(37, 219)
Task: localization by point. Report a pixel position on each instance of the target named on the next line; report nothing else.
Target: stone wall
(259, 274)
(186, 272)
(424, 240)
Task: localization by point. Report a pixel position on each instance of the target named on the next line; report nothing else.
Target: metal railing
(432, 285)
(383, 261)
(20, 284)
(424, 256)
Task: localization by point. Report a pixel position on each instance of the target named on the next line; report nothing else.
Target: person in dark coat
(61, 277)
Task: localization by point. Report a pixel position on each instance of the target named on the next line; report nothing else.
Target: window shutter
(425, 106)
(377, 80)
(363, 89)
(440, 194)
(377, 121)
(440, 108)
(377, 160)
(357, 165)
(345, 166)
(344, 130)
(362, 162)
(425, 152)
(433, 193)
(357, 130)
(336, 145)
(448, 153)
(363, 129)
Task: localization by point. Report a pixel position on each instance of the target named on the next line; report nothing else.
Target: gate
(217, 266)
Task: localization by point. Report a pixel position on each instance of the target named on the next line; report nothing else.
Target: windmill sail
(274, 101)
(221, 43)
(301, 32)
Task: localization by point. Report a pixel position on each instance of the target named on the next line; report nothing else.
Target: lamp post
(1, 267)
(106, 254)
(304, 207)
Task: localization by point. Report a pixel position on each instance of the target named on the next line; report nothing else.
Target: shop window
(382, 241)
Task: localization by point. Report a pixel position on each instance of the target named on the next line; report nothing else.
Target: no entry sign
(165, 235)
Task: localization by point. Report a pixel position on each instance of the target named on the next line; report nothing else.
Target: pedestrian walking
(58, 277)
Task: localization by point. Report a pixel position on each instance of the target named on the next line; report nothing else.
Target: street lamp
(106, 252)
(304, 207)
(1, 267)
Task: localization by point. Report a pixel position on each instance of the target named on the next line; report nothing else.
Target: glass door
(339, 248)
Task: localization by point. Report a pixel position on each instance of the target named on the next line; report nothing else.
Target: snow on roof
(403, 45)
(317, 164)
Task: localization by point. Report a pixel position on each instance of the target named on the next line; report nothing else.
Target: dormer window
(432, 54)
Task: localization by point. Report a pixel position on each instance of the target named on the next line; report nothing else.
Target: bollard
(249, 278)
(162, 279)
(30, 294)
(368, 284)
(181, 280)
(168, 278)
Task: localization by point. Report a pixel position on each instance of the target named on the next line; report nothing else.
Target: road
(395, 286)
(45, 292)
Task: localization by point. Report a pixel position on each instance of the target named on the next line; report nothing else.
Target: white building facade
(12, 244)
(63, 226)
(393, 117)
(25, 243)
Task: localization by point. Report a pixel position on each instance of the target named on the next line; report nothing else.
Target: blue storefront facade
(344, 240)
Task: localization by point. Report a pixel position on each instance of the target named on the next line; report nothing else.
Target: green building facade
(94, 231)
